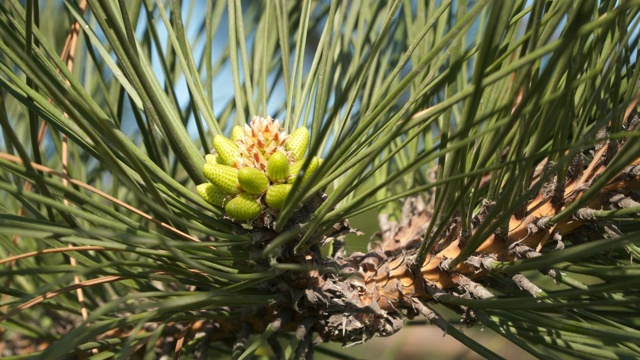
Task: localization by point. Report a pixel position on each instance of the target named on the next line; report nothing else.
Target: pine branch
(353, 299)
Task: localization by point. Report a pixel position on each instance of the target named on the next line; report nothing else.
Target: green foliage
(390, 91)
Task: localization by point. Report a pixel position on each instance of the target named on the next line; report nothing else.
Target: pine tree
(178, 176)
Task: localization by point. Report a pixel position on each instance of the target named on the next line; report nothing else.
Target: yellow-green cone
(243, 207)
(227, 150)
(237, 133)
(297, 142)
(255, 168)
(252, 180)
(295, 168)
(313, 166)
(211, 194)
(278, 167)
(276, 195)
(211, 159)
(222, 176)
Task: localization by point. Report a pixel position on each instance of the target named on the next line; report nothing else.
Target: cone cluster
(254, 171)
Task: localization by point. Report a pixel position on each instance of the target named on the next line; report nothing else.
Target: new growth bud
(297, 142)
(227, 150)
(243, 207)
(211, 159)
(254, 171)
(278, 167)
(237, 133)
(211, 194)
(252, 180)
(222, 176)
(296, 167)
(277, 194)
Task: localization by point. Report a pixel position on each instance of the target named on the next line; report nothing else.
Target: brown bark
(525, 230)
